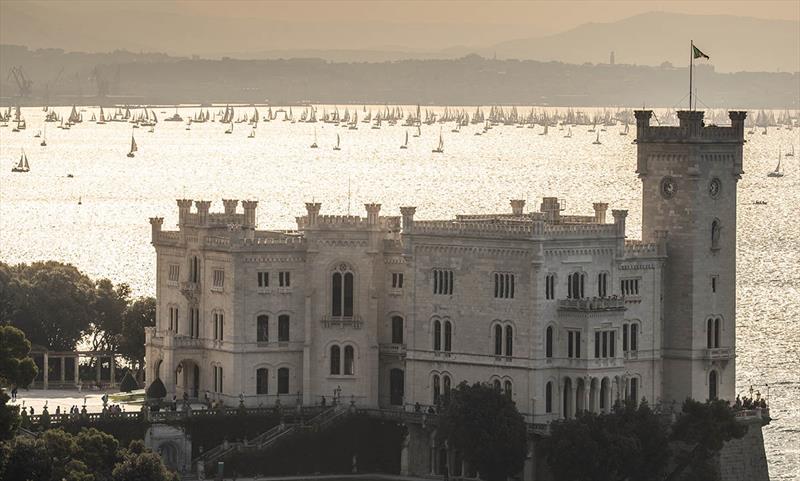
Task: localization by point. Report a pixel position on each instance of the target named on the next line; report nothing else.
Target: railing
(342, 321)
(718, 353)
(594, 304)
(396, 349)
(187, 342)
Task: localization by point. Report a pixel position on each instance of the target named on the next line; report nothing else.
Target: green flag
(697, 53)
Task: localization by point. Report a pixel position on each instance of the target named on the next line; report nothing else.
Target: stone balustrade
(342, 322)
(594, 304)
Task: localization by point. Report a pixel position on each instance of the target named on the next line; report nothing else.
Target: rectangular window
(194, 322)
(218, 280)
(283, 279)
(629, 287)
(443, 282)
(397, 280)
(596, 344)
(602, 284)
(624, 338)
(550, 286)
(263, 279)
(574, 344)
(714, 282)
(570, 340)
(605, 343)
(578, 344)
(174, 273)
(611, 339)
(504, 285)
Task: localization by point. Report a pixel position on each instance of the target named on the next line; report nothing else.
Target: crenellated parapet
(691, 129)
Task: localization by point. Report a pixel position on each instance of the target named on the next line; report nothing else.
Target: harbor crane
(24, 84)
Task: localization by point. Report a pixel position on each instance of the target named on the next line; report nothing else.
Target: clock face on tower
(714, 187)
(667, 187)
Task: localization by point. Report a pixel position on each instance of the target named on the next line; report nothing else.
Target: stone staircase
(272, 436)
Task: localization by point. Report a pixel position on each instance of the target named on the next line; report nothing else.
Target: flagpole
(691, 67)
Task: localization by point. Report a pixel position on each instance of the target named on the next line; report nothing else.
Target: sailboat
(777, 172)
(314, 145)
(419, 131)
(133, 147)
(337, 147)
(229, 130)
(569, 133)
(791, 152)
(405, 145)
(38, 134)
(44, 137)
(544, 132)
(765, 131)
(625, 132)
(252, 133)
(22, 165)
(597, 140)
(439, 148)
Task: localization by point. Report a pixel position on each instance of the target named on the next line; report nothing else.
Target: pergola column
(111, 361)
(77, 375)
(45, 371)
(63, 369)
(99, 372)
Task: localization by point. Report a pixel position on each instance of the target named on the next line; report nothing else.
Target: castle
(561, 312)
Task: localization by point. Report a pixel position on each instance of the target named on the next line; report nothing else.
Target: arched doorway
(187, 379)
(396, 387)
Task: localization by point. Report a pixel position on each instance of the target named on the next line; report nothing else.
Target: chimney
(600, 209)
(155, 228)
(552, 209)
(202, 211)
(619, 221)
(230, 206)
(408, 219)
(517, 205)
(184, 205)
(249, 207)
(312, 208)
(372, 213)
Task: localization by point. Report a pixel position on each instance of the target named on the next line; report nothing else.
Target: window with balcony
(504, 285)
(263, 279)
(218, 279)
(575, 285)
(629, 287)
(342, 282)
(397, 280)
(284, 279)
(283, 328)
(262, 328)
(262, 381)
(550, 286)
(443, 282)
(397, 330)
(602, 284)
(283, 380)
(573, 344)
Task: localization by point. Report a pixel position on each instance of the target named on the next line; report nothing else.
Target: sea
(86, 202)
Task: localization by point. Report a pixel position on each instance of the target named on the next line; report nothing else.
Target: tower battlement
(691, 128)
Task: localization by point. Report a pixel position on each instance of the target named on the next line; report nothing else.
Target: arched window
(575, 285)
(603, 393)
(717, 323)
(634, 390)
(497, 385)
(634, 336)
(509, 341)
(262, 328)
(448, 336)
(715, 233)
(437, 335)
(710, 333)
(446, 383)
(262, 380)
(498, 340)
(507, 388)
(712, 385)
(548, 397)
(283, 328)
(548, 342)
(397, 330)
(336, 356)
(194, 269)
(349, 361)
(437, 389)
(283, 380)
(342, 282)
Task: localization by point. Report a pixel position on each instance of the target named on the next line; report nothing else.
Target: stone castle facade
(561, 312)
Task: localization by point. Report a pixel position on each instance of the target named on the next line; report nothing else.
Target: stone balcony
(342, 322)
(392, 349)
(594, 304)
(719, 353)
(191, 291)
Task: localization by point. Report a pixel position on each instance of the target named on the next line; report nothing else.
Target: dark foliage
(128, 383)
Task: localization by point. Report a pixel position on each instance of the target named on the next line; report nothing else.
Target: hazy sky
(207, 27)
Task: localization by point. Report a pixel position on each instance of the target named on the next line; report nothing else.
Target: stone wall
(745, 459)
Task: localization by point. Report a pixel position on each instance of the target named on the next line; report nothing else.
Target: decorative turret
(517, 205)
(619, 221)
(249, 207)
(230, 206)
(737, 122)
(202, 211)
(642, 122)
(552, 209)
(184, 205)
(692, 121)
(373, 210)
(312, 208)
(155, 228)
(600, 209)
(408, 219)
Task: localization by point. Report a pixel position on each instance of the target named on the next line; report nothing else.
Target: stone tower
(689, 177)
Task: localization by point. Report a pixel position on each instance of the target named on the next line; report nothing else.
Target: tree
(27, 459)
(128, 383)
(628, 443)
(16, 369)
(486, 427)
(98, 450)
(140, 313)
(701, 431)
(53, 303)
(108, 308)
(146, 466)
